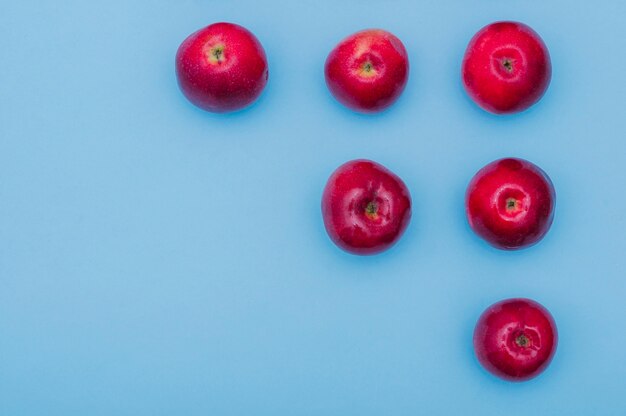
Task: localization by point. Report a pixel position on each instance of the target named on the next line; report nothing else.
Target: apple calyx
(367, 69)
(522, 341)
(507, 63)
(505, 66)
(371, 210)
(513, 205)
(215, 54)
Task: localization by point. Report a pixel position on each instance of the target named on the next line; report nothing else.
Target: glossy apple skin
(221, 68)
(510, 203)
(506, 68)
(515, 339)
(366, 208)
(367, 71)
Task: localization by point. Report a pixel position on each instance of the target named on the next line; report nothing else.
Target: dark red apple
(506, 67)
(368, 70)
(515, 339)
(365, 207)
(510, 203)
(221, 68)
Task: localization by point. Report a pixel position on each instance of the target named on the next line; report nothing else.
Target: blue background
(159, 260)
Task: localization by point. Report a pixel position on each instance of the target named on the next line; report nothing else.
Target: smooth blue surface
(159, 260)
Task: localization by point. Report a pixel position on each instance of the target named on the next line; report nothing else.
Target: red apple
(221, 68)
(365, 207)
(368, 70)
(515, 339)
(510, 203)
(506, 67)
